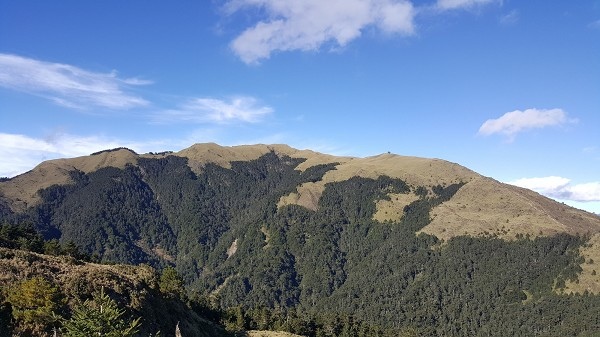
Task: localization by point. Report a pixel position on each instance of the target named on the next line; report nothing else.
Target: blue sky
(510, 89)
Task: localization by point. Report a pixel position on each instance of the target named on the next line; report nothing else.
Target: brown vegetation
(487, 207)
(21, 191)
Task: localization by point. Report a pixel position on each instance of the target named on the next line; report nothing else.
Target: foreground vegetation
(68, 297)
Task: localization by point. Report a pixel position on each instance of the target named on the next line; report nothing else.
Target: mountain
(399, 242)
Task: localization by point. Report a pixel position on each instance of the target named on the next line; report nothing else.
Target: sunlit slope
(482, 206)
(20, 192)
(485, 206)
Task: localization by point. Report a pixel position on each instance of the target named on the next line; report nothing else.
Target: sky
(509, 89)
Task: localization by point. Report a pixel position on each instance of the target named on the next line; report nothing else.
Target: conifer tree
(171, 284)
(100, 317)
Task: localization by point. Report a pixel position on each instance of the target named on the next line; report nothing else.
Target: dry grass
(201, 154)
(74, 277)
(415, 171)
(306, 195)
(487, 206)
(21, 191)
(393, 209)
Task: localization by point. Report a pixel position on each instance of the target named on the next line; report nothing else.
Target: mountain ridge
(538, 211)
(400, 242)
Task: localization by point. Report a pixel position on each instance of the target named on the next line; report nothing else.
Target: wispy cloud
(211, 110)
(307, 25)
(589, 150)
(68, 85)
(511, 123)
(20, 153)
(594, 24)
(457, 4)
(510, 18)
(561, 188)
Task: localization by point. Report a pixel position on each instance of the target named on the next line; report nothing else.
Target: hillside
(527, 212)
(401, 243)
(135, 288)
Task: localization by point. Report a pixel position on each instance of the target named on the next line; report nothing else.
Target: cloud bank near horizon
(561, 188)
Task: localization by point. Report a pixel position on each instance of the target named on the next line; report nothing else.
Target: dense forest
(334, 271)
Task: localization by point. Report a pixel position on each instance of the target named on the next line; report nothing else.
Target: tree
(52, 247)
(170, 282)
(72, 250)
(34, 302)
(234, 319)
(100, 317)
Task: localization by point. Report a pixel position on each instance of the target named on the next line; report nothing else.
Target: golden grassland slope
(21, 191)
(485, 206)
(200, 154)
(393, 209)
(415, 171)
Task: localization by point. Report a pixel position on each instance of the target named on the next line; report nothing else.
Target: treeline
(26, 237)
(238, 320)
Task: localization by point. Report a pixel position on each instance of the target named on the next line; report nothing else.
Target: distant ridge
(483, 206)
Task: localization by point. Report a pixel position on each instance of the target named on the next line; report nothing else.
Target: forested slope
(225, 229)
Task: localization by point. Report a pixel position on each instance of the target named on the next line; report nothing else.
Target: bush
(34, 305)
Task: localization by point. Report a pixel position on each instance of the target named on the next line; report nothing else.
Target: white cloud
(594, 24)
(585, 192)
(20, 153)
(516, 121)
(561, 188)
(308, 24)
(552, 185)
(456, 4)
(67, 85)
(210, 110)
